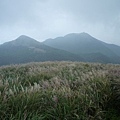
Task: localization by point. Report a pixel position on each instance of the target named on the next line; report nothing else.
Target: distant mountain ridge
(25, 49)
(85, 45)
(71, 47)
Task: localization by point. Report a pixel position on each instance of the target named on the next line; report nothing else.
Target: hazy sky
(42, 19)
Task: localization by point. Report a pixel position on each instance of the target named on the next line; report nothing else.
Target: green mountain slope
(114, 48)
(72, 47)
(85, 45)
(25, 49)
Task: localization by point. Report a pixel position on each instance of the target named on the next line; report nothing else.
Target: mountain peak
(23, 37)
(83, 34)
(23, 40)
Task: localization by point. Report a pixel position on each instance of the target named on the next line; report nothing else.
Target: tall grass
(60, 91)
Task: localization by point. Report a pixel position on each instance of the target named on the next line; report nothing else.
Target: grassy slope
(60, 91)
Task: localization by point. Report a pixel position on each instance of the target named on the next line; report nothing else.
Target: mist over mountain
(86, 46)
(25, 49)
(71, 47)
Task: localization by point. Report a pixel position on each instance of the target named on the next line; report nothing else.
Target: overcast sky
(42, 19)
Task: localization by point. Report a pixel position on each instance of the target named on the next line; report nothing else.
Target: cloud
(42, 19)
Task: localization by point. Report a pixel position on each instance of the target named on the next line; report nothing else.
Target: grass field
(60, 91)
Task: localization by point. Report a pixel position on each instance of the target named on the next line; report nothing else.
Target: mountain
(114, 48)
(25, 49)
(71, 47)
(85, 45)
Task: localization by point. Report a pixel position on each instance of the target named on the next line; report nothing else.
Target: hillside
(72, 47)
(60, 91)
(83, 44)
(25, 49)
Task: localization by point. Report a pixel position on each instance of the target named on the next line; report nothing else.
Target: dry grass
(60, 91)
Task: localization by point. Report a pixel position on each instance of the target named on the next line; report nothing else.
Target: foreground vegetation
(60, 91)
